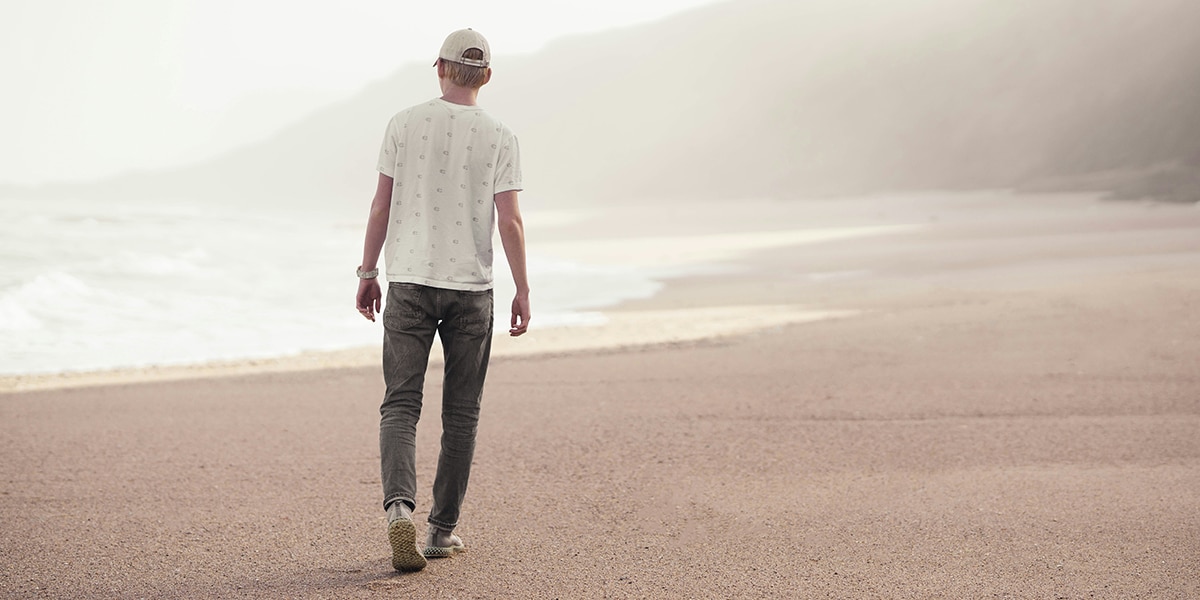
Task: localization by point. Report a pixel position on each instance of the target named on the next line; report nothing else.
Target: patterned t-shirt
(447, 162)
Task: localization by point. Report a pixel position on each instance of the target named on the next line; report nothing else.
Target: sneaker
(440, 543)
(406, 556)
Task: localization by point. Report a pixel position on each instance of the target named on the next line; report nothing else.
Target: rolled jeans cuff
(442, 525)
(387, 502)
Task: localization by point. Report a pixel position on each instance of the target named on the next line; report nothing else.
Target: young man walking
(449, 173)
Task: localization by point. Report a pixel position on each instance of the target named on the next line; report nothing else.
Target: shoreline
(870, 249)
(621, 330)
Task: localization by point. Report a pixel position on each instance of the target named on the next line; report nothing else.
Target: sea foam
(87, 287)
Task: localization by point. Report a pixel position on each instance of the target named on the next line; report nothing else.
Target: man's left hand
(369, 297)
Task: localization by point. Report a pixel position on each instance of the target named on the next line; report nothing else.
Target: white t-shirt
(447, 162)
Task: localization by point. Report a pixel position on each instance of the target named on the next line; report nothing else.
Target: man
(448, 174)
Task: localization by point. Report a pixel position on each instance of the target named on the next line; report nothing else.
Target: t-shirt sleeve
(508, 171)
(390, 148)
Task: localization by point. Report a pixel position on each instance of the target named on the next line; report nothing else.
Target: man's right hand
(520, 315)
(369, 297)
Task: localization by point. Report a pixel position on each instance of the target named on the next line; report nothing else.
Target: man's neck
(455, 94)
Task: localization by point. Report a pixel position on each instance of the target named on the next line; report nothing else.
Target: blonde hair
(466, 75)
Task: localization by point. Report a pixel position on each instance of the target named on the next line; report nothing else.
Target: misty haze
(790, 100)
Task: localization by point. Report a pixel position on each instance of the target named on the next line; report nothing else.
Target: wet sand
(1010, 408)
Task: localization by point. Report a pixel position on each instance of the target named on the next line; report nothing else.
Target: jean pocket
(475, 316)
(403, 309)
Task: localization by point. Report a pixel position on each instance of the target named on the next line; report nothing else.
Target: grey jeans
(463, 321)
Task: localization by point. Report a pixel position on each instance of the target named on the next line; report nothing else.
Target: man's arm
(369, 295)
(512, 235)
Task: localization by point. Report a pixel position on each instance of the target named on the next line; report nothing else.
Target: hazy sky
(93, 88)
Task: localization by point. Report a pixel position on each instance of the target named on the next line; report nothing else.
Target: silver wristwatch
(372, 274)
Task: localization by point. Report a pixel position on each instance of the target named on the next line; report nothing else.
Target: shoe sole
(443, 552)
(403, 537)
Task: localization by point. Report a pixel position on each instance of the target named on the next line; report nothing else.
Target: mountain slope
(786, 99)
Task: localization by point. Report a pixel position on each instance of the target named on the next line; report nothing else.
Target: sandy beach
(993, 396)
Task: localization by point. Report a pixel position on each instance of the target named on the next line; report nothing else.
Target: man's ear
(486, 77)
(441, 67)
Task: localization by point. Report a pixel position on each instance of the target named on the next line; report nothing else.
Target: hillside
(787, 99)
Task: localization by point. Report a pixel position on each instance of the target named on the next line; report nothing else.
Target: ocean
(86, 285)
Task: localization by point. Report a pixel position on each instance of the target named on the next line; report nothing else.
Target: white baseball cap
(459, 42)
